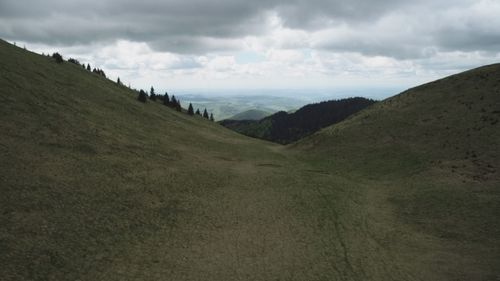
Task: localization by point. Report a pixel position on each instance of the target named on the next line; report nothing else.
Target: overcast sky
(252, 44)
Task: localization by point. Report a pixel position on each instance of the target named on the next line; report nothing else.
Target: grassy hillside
(252, 114)
(97, 186)
(432, 154)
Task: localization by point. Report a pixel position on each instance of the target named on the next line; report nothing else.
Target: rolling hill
(97, 186)
(285, 128)
(251, 114)
(432, 156)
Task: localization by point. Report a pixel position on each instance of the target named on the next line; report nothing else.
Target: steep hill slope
(284, 128)
(454, 119)
(433, 153)
(252, 114)
(97, 186)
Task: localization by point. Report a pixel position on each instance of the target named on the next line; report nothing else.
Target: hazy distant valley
(225, 103)
(227, 106)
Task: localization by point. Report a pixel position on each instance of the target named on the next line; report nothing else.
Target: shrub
(57, 57)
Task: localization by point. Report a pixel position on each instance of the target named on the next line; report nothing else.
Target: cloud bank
(313, 42)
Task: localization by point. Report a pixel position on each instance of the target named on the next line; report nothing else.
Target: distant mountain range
(284, 128)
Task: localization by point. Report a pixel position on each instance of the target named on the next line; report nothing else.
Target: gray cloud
(314, 14)
(69, 22)
(478, 33)
(414, 32)
(200, 26)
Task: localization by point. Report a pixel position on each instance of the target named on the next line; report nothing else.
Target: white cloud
(294, 44)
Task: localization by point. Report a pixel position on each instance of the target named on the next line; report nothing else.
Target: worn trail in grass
(269, 219)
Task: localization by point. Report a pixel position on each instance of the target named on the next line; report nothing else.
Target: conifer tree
(173, 101)
(118, 81)
(205, 114)
(143, 97)
(198, 112)
(152, 94)
(75, 61)
(100, 72)
(190, 109)
(88, 66)
(166, 100)
(178, 106)
(212, 117)
(57, 57)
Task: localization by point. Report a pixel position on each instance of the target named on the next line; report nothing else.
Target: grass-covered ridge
(436, 150)
(97, 186)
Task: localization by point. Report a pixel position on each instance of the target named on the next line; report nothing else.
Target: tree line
(59, 59)
(171, 102)
(143, 96)
(205, 115)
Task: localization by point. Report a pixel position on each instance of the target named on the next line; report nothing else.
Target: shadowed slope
(285, 128)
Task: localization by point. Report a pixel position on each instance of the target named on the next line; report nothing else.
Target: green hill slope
(433, 154)
(252, 114)
(97, 186)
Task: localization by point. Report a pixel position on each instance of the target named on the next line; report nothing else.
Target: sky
(262, 44)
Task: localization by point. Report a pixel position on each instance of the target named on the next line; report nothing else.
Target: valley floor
(241, 210)
(271, 218)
